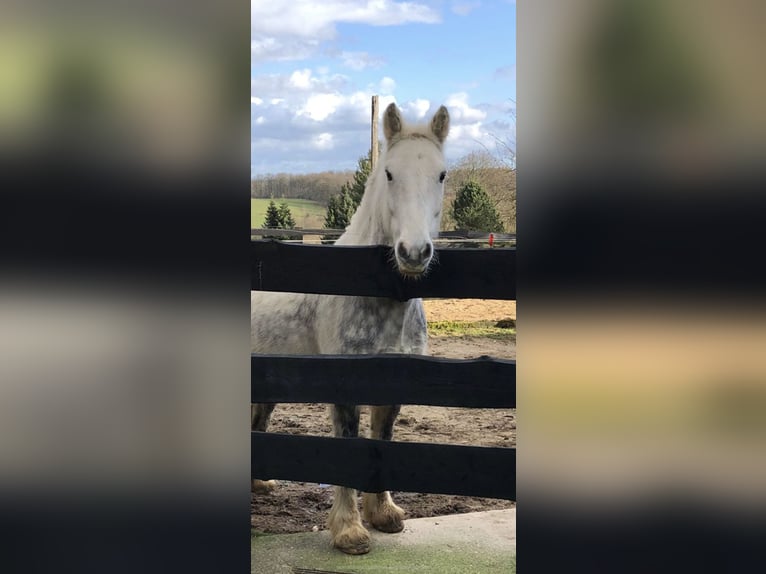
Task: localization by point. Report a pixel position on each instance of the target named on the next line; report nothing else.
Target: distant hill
(314, 186)
(306, 213)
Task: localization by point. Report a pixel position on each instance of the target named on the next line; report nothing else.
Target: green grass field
(487, 329)
(306, 213)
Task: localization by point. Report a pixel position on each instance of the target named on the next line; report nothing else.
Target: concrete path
(475, 543)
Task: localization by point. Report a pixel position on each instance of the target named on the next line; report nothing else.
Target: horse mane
(366, 226)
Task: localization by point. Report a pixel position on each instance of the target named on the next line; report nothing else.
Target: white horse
(401, 208)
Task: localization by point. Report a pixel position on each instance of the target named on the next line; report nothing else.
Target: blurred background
(124, 370)
(642, 381)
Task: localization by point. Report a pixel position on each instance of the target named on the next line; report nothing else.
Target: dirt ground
(302, 507)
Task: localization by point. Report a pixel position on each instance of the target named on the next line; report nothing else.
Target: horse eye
(389, 176)
(442, 175)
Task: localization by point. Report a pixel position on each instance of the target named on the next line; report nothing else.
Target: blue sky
(315, 65)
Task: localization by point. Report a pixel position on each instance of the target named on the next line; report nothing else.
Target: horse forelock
(414, 135)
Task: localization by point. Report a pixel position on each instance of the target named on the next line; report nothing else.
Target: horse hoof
(389, 519)
(353, 540)
(361, 548)
(383, 514)
(263, 486)
(390, 527)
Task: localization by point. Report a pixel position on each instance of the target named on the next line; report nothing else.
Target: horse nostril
(415, 256)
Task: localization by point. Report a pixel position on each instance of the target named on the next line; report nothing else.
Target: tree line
(480, 194)
(318, 187)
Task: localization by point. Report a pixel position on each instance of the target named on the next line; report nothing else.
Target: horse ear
(392, 121)
(440, 124)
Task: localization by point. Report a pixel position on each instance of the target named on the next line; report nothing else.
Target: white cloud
(294, 29)
(308, 120)
(461, 111)
(324, 141)
(464, 8)
(311, 19)
(387, 85)
(271, 49)
(360, 60)
(319, 106)
(467, 131)
(417, 108)
(256, 101)
(304, 80)
(466, 138)
(300, 79)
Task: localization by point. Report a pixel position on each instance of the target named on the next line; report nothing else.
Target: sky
(315, 66)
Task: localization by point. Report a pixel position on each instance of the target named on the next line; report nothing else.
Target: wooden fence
(373, 465)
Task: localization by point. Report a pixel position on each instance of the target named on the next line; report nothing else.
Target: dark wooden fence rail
(369, 271)
(375, 465)
(367, 464)
(383, 380)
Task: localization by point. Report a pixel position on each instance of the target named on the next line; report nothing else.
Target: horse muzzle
(413, 261)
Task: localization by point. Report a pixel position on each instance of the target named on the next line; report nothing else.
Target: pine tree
(285, 217)
(278, 218)
(364, 167)
(272, 220)
(342, 206)
(472, 210)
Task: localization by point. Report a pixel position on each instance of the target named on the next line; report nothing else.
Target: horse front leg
(345, 522)
(379, 508)
(260, 413)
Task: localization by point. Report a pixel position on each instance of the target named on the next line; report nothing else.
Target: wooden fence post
(374, 133)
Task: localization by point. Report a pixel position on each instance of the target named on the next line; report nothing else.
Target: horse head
(414, 168)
